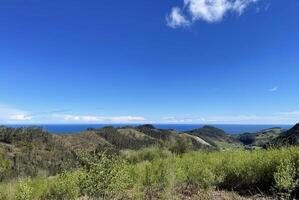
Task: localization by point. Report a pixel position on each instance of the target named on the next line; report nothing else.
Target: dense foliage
(158, 174)
(144, 163)
(32, 152)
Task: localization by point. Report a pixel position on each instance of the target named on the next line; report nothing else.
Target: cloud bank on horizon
(10, 115)
(98, 119)
(210, 11)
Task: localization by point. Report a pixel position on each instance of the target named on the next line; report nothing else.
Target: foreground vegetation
(144, 162)
(156, 173)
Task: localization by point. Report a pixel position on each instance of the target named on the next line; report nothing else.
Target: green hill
(32, 151)
(259, 138)
(143, 162)
(215, 137)
(290, 137)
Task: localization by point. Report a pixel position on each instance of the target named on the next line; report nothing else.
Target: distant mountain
(172, 137)
(32, 151)
(215, 137)
(219, 139)
(259, 138)
(210, 133)
(290, 137)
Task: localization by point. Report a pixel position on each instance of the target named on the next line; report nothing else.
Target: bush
(24, 191)
(155, 179)
(40, 186)
(4, 165)
(64, 187)
(181, 145)
(145, 154)
(285, 179)
(158, 174)
(104, 176)
(3, 195)
(200, 170)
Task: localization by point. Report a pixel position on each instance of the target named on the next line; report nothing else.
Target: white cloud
(207, 10)
(183, 120)
(240, 5)
(274, 89)
(291, 117)
(98, 119)
(176, 19)
(20, 117)
(9, 114)
(291, 113)
(275, 118)
(127, 119)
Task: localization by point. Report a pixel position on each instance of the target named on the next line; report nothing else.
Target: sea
(78, 128)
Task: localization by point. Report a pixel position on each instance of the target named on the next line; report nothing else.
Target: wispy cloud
(290, 114)
(274, 89)
(20, 117)
(240, 119)
(210, 11)
(10, 114)
(275, 118)
(291, 117)
(176, 18)
(98, 119)
(183, 120)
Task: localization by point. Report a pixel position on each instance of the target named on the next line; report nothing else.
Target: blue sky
(158, 61)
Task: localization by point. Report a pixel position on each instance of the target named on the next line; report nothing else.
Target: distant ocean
(77, 128)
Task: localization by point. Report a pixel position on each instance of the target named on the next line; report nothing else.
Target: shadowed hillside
(290, 137)
(260, 138)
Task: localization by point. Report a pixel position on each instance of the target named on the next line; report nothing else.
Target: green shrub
(285, 179)
(249, 170)
(155, 179)
(40, 186)
(64, 187)
(104, 176)
(145, 154)
(4, 165)
(3, 195)
(24, 191)
(199, 169)
(154, 173)
(181, 145)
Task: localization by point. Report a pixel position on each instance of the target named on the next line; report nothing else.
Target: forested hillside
(287, 138)
(144, 162)
(32, 151)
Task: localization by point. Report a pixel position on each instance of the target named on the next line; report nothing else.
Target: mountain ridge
(32, 151)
